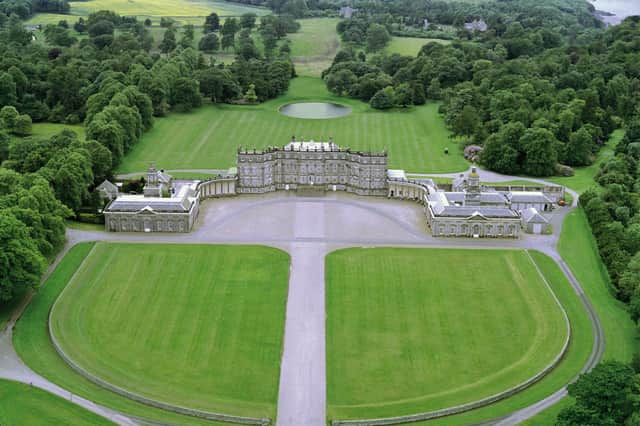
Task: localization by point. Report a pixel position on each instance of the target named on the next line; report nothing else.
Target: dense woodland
(535, 98)
(113, 83)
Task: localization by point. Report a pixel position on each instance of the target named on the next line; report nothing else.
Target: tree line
(114, 83)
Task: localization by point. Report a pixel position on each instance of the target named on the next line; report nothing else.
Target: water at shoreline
(619, 8)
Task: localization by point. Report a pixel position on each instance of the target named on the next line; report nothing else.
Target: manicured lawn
(209, 137)
(576, 356)
(32, 343)
(578, 248)
(23, 405)
(199, 326)
(410, 46)
(411, 330)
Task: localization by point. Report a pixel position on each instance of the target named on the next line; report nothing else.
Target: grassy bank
(23, 405)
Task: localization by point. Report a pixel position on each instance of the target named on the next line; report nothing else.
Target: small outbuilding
(533, 222)
(107, 190)
(522, 200)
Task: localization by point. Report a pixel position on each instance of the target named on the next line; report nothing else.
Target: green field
(23, 405)
(197, 326)
(209, 137)
(403, 337)
(410, 46)
(314, 45)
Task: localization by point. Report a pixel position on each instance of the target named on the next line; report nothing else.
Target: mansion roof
(311, 146)
(472, 211)
(531, 215)
(179, 203)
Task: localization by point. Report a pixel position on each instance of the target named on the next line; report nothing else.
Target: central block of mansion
(466, 209)
(321, 165)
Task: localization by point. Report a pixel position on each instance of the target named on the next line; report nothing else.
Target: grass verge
(23, 405)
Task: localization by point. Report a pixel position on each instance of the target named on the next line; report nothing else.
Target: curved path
(309, 228)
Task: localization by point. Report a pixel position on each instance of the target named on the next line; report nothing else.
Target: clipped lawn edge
(458, 409)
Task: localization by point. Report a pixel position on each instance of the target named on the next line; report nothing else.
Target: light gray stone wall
(464, 227)
(337, 169)
(217, 187)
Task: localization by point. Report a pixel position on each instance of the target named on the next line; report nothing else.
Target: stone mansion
(463, 209)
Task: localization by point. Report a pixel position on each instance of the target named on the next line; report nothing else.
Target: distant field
(411, 330)
(184, 11)
(410, 46)
(314, 45)
(23, 405)
(209, 137)
(197, 326)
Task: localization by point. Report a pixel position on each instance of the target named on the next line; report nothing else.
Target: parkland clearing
(457, 245)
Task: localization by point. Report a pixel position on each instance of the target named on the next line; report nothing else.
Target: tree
(603, 396)
(100, 28)
(541, 156)
(23, 125)
(209, 43)
(230, 27)
(384, 99)
(8, 94)
(579, 149)
(404, 95)
(211, 23)
(187, 36)
(246, 47)
(58, 36)
(4, 146)
(186, 94)
(218, 85)
(21, 265)
(70, 175)
(341, 82)
(248, 20)
(630, 280)
(169, 41)
(377, 37)
(8, 117)
(269, 39)
(228, 40)
(250, 96)
(466, 122)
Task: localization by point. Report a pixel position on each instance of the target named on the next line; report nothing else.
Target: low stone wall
(148, 401)
(481, 402)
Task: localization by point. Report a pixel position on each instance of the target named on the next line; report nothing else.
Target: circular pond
(317, 110)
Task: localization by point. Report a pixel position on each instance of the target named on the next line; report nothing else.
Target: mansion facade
(466, 209)
(322, 165)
